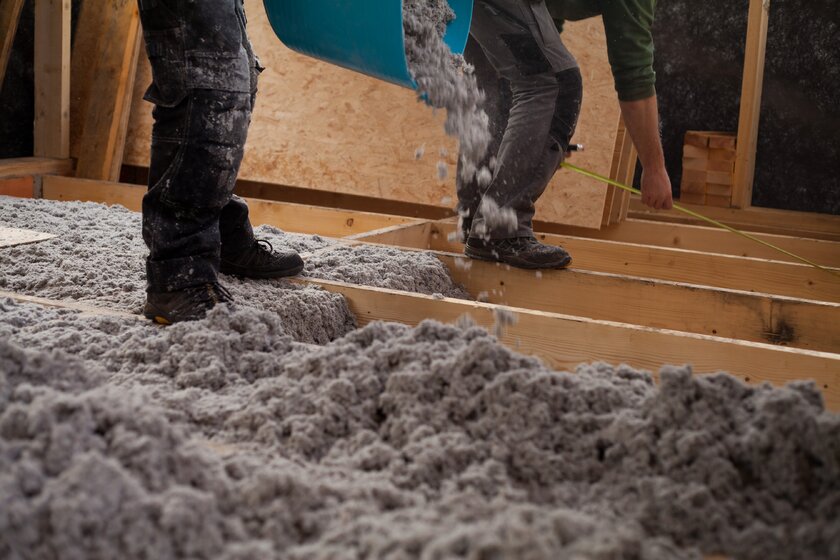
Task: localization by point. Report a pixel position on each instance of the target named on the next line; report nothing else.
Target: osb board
(322, 127)
(10, 237)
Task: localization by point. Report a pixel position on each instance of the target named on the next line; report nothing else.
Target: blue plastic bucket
(362, 35)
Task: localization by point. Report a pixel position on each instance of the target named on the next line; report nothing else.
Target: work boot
(189, 304)
(521, 252)
(260, 260)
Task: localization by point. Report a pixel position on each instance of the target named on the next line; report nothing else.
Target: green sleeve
(628, 26)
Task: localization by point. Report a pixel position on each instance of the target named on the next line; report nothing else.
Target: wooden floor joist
(672, 236)
(711, 240)
(754, 219)
(675, 265)
(654, 303)
(565, 341)
(83, 308)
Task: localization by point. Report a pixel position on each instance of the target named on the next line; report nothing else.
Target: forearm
(642, 121)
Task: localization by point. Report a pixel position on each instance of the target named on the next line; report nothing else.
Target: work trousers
(204, 87)
(534, 93)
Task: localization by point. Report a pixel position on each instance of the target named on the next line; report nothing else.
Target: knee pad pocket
(567, 107)
(529, 56)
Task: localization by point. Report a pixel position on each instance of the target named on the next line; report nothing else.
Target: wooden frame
(52, 78)
(750, 112)
(105, 53)
(623, 170)
(754, 219)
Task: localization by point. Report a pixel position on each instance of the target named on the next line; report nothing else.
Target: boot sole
(266, 275)
(156, 316)
(489, 257)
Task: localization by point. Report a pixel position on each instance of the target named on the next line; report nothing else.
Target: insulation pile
(236, 437)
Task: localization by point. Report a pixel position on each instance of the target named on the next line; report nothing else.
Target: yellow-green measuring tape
(701, 217)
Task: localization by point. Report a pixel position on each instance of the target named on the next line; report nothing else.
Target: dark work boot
(189, 304)
(521, 252)
(260, 260)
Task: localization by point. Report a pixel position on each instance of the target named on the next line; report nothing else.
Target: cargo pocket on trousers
(219, 71)
(165, 50)
(526, 51)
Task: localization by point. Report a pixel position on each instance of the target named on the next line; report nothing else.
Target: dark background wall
(699, 62)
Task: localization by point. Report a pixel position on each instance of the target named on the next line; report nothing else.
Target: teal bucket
(362, 35)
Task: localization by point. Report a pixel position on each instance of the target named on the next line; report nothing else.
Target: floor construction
(400, 401)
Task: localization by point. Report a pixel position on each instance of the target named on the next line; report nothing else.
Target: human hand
(656, 189)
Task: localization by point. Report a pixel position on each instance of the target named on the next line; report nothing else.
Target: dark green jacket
(629, 39)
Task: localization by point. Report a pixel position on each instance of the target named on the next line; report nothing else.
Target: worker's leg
(202, 96)
(521, 42)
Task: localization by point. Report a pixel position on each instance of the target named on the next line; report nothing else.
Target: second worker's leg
(520, 40)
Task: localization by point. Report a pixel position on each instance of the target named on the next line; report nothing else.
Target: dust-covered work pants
(204, 86)
(534, 92)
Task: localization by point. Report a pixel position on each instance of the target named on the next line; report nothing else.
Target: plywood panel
(322, 127)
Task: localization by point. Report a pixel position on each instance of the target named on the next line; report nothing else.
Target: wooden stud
(26, 166)
(625, 172)
(9, 18)
(105, 52)
(750, 112)
(565, 341)
(52, 78)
